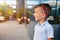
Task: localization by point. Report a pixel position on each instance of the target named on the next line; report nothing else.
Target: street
(11, 30)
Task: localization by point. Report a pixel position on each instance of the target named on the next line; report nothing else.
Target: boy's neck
(42, 21)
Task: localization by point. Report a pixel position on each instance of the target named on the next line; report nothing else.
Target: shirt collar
(43, 23)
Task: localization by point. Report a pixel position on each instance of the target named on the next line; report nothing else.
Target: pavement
(11, 30)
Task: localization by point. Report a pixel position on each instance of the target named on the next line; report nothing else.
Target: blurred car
(23, 19)
(2, 18)
(26, 20)
(20, 20)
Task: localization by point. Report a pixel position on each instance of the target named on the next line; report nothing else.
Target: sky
(35, 2)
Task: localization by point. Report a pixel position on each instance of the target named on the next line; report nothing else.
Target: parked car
(23, 20)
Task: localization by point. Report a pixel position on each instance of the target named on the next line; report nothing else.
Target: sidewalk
(11, 30)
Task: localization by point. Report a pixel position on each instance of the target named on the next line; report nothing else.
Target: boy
(43, 30)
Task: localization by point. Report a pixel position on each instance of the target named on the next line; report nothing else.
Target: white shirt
(43, 31)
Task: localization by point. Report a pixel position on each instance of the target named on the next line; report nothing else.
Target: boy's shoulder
(48, 25)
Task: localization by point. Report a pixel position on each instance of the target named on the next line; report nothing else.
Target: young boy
(43, 30)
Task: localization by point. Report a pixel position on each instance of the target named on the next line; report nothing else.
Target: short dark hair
(45, 5)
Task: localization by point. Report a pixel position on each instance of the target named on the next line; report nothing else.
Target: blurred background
(17, 21)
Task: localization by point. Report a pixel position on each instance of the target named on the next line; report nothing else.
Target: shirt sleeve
(50, 32)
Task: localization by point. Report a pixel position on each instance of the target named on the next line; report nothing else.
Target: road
(11, 30)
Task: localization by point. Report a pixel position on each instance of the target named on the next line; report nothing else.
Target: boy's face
(39, 14)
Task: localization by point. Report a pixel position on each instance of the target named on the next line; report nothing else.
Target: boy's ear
(44, 14)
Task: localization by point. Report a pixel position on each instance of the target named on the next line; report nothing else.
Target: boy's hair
(46, 7)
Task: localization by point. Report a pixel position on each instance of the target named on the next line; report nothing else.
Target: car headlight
(18, 19)
(25, 18)
(28, 19)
